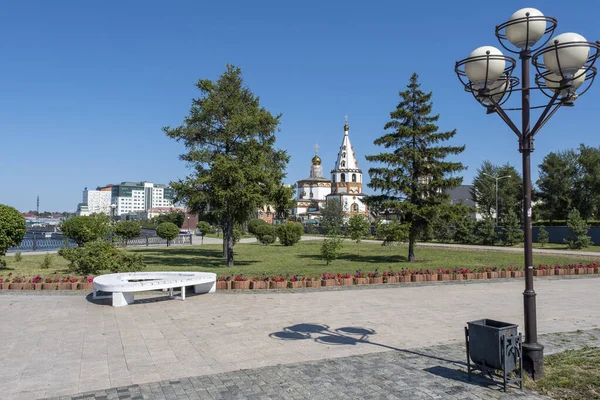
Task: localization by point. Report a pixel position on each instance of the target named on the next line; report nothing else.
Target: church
(345, 185)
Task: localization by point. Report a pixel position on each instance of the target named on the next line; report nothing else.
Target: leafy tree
(331, 249)
(358, 227)
(543, 236)
(85, 229)
(485, 232)
(510, 190)
(128, 230)
(391, 233)
(579, 229)
(511, 232)
(205, 228)
(283, 200)
(416, 175)
(289, 233)
(556, 184)
(332, 217)
(265, 230)
(445, 220)
(12, 230)
(587, 184)
(464, 230)
(230, 142)
(254, 224)
(100, 255)
(47, 263)
(168, 231)
(176, 217)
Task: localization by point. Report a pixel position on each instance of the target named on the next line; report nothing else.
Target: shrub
(485, 232)
(265, 230)
(12, 228)
(289, 233)
(358, 227)
(463, 231)
(130, 262)
(543, 236)
(91, 257)
(18, 256)
(393, 232)
(168, 231)
(128, 230)
(205, 228)
(310, 229)
(330, 249)
(237, 234)
(579, 228)
(511, 232)
(47, 263)
(85, 229)
(254, 224)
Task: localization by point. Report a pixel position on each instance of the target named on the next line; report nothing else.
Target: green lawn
(570, 375)
(254, 259)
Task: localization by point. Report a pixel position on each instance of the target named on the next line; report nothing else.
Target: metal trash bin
(494, 345)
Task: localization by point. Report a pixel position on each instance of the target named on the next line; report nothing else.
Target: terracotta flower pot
(579, 271)
(16, 286)
(469, 276)
(376, 280)
(589, 270)
(86, 286)
(538, 272)
(277, 285)
(360, 281)
(549, 272)
(345, 281)
(444, 277)
(64, 286)
(559, 271)
(240, 284)
(313, 284)
(417, 278)
(571, 271)
(74, 286)
(458, 277)
(517, 274)
(391, 279)
(28, 286)
(481, 275)
(49, 286)
(596, 269)
(258, 285)
(296, 284)
(37, 286)
(504, 274)
(223, 285)
(493, 274)
(328, 282)
(4, 286)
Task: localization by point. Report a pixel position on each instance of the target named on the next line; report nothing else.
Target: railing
(48, 244)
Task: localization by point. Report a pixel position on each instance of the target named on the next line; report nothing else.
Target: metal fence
(49, 244)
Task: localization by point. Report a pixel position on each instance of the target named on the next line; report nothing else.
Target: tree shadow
(371, 258)
(186, 257)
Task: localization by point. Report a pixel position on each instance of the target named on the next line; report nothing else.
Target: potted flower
(240, 282)
(539, 270)
(375, 278)
(37, 282)
(417, 276)
(295, 282)
(311, 281)
(404, 276)
(515, 273)
(481, 275)
(27, 284)
(223, 283)
(390, 277)
(49, 284)
(278, 282)
(74, 283)
(504, 273)
(457, 274)
(492, 273)
(580, 270)
(86, 283)
(4, 283)
(359, 278)
(16, 283)
(328, 279)
(260, 282)
(570, 269)
(467, 274)
(345, 279)
(431, 275)
(444, 274)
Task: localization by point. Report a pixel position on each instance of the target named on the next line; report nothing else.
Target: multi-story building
(94, 202)
(138, 197)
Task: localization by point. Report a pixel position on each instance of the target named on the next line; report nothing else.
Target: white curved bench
(124, 285)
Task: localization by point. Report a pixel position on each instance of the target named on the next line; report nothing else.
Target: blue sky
(85, 87)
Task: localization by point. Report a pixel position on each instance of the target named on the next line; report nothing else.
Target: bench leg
(183, 293)
(122, 299)
(170, 292)
(208, 287)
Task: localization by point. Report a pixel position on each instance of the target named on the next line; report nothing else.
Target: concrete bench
(123, 286)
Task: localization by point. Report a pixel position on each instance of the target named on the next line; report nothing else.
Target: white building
(139, 197)
(346, 180)
(94, 202)
(311, 193)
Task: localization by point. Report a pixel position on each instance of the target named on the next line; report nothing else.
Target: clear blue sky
(85, 87)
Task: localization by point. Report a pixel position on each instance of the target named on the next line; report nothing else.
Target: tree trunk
(230, 243)
(225, 232)
(412, 239)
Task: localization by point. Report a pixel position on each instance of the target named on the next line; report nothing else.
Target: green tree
(485, 232)
(85, 229)
(332, 217)
(331, 249)
(358, 227)
(283, 201)
(12, 230)
(416, 174)
(579, 229)
(556, 184)
(168, 231)
(205, 228)
(128, 230)
(511, 232)
(175, 217)
(587, 183)
(254, 224)
(391, 233)
(510, 189)
(289, 233)
(464, 229)
(265, 230)
(543, 236)
(230, 143)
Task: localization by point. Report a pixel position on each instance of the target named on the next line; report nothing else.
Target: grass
(253, 259)
(558, 246)
(570, 375)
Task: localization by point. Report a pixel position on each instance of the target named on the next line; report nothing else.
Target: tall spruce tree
(230, 142)
(415, 175)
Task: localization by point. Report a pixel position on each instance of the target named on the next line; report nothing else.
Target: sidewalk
(57, 344)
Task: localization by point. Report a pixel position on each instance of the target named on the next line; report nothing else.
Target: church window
(354, 207)
(343, 163)
(333, 178)
(303, 194)
(311, 194)
(353, 177)
(344, 155)
(342, 177)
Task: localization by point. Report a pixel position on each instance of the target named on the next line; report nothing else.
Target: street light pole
(564, 65)
(497, 179)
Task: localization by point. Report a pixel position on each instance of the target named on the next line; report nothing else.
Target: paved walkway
(62, 344)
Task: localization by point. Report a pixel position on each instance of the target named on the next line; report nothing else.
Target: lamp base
(533, 360)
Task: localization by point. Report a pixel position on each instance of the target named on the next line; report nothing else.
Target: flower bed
(54, 282)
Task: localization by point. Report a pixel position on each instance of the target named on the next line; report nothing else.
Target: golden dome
(316, 160)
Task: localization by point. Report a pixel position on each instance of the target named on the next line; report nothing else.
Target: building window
(311, 194)
(303, 194)
(354, 207)
(353, 177)
(343, 163)
(342, 177)
(333, 178)
(344, 155)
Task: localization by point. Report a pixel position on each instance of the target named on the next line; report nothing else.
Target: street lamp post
(564, 71)
(497, 178)
(113, 206)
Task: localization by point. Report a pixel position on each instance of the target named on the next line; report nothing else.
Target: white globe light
(478, 70)
(517, 33)
(553, 81)
(496, 90)
(571, 58)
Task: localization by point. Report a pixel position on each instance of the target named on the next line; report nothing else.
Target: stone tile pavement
(58, 345)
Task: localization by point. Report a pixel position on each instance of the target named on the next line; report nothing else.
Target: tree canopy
(12, 228)
(85, 229)
(415, 174)
(230, 143)
(510, 190)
